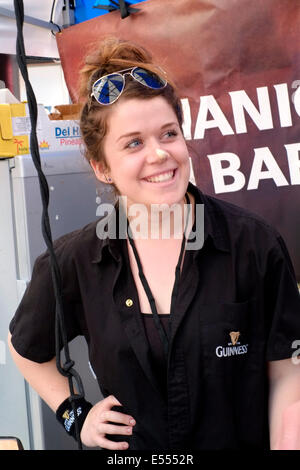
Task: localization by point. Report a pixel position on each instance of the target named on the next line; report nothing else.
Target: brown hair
(111, 55)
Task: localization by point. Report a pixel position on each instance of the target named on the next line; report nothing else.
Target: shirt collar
(214, 223)
(108, 235)
(214, 228)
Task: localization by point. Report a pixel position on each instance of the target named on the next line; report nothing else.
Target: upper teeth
(161, 177)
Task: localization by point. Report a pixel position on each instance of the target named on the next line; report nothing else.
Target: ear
(99, 171)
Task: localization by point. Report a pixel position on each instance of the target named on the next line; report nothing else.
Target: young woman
(191, 344)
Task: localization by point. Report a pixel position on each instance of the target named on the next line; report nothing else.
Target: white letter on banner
(209, 104)
(283, 102)
(296, 100)
(295, 84)
(294, 162)
(232, 170)
(262, 156)
(187, 120)
(241, 101)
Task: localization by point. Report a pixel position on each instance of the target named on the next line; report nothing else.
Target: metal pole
(30, 20)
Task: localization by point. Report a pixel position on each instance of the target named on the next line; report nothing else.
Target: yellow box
(59, 131)
(14, 132)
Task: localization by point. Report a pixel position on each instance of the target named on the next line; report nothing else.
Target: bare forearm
(284, 410)
(44, 378)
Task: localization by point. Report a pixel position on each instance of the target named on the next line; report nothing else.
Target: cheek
(182, 151)
(184, 157)
(125, 170)
(185, 161)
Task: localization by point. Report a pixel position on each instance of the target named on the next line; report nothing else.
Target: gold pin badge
(129, 303)
(234, 336)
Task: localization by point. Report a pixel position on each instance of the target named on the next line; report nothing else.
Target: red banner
(237, 66)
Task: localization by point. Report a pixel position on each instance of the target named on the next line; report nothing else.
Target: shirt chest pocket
(230, 341)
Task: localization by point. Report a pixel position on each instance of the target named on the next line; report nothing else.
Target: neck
(160, 221)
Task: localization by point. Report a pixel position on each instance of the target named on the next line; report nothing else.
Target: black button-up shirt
(240, 283)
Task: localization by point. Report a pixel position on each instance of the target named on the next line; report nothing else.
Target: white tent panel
(39, 42)
(47, 81)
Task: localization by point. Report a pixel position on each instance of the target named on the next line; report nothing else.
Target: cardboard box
(53, 134)
(66, 112)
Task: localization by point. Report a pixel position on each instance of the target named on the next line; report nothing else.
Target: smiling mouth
(168, 175)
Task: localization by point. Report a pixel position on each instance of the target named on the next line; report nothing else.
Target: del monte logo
(44, 145)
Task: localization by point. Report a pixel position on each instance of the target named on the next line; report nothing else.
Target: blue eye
(133, 143)
(171, 133)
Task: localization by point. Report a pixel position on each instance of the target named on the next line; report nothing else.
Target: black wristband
(65, 415)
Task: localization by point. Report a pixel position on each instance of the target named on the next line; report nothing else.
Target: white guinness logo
(231, 350)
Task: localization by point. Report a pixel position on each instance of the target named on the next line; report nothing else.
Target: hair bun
(108, 56)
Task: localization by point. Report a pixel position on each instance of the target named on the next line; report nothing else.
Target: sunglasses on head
(107, 89)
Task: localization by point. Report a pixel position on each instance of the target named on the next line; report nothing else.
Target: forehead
(135, 115)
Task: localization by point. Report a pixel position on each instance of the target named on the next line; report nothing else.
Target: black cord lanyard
(66, 368)
(162, 334)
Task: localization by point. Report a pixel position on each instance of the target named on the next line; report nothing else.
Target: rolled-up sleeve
(282, 303)
(33, 325)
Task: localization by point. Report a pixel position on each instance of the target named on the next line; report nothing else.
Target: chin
(170, 200)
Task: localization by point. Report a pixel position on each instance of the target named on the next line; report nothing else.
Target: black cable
(51, 18)
(52, 11)
(66, 368)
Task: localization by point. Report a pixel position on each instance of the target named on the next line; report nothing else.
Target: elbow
(9, 343)
(15, 355)
(11, 348)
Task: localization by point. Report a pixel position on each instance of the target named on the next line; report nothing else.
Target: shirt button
(129, 303)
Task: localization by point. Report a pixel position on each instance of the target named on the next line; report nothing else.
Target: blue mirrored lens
(148, 79)
(109, 88)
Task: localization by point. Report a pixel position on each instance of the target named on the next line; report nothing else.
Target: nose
(162, 154)
(157, 155)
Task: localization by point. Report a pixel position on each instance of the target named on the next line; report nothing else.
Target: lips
(161, 177)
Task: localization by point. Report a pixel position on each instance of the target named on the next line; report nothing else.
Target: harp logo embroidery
(234, 335)
(66, 415)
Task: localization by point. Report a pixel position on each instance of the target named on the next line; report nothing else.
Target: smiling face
(145, 152)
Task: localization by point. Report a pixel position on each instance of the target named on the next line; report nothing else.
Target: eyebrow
(136, 133)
